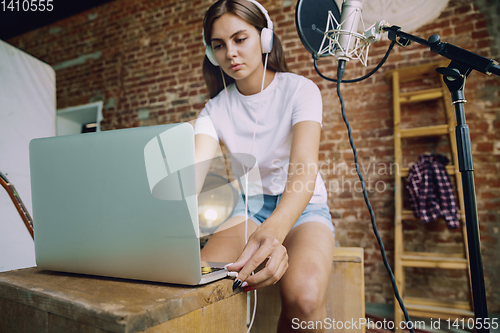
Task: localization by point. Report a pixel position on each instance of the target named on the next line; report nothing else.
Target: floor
(376, 313)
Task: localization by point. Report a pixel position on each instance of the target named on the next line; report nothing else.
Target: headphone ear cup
(210, 55)
(266, 40)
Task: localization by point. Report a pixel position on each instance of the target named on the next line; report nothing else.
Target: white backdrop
(27, 111)
(408, 14)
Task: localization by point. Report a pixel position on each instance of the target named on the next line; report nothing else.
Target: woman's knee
(303, 300)
(303, 287)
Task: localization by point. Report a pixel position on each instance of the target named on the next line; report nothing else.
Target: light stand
(462, 64)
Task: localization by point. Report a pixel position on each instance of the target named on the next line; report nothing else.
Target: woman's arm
(302, 174)
(204, 152)
(266, 242)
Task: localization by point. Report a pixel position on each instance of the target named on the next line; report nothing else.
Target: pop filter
(311, 17)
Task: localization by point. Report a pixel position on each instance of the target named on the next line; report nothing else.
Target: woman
(275, 116)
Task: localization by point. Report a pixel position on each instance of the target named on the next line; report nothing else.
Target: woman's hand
(263, 244)
(267, 240)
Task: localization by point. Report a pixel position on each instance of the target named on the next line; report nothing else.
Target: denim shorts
(260, 208)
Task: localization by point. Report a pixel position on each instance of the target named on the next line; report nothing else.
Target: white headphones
(266, 36)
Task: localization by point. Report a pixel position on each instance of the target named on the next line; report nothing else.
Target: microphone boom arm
(452, 52)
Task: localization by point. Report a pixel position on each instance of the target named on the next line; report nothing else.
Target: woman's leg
(303, 287)
(228, 242)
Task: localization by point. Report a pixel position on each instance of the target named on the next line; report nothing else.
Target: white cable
(247, 170)
(254, 310)
(260, 100)
(246, 185)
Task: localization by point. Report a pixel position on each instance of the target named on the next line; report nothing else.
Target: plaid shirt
(431, 193)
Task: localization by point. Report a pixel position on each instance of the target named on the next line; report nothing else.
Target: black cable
(316, 57)
(340, 74)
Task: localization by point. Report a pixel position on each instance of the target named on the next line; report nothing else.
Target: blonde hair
(250, 13)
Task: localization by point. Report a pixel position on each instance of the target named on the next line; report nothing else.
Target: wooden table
(32, 300)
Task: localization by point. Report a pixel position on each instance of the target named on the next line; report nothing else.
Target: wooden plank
(431, 313)
(437, 264)
(459, 309)
(409, 215)
(433, 255)
(398, 194)
(435, 260)
(430, 308)
(415, 73)
(28, 319)
(450, 169)
(217, 317)
(347, 290)
(58, 324)
(348, 254)
(425, 131)
(34, 297)
(421, 96)
(443, 304)
(115, 305)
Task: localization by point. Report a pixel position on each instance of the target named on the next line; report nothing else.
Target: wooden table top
(109, 303)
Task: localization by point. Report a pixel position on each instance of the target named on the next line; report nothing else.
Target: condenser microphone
(348, 31)
(326, 31)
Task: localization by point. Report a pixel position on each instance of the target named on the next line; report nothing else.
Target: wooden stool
(345, 301)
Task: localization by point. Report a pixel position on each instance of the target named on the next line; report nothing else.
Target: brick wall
(143, 60)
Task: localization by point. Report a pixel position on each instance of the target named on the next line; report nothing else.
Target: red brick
(464, 28)
(484, 147)
(480, 34)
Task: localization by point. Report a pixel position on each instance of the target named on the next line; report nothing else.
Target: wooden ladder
(420, 307)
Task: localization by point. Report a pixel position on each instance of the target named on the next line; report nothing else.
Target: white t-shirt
(289, 99)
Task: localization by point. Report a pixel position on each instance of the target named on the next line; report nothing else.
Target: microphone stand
(462, 64)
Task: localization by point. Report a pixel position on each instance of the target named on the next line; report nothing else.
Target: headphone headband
(264, 11)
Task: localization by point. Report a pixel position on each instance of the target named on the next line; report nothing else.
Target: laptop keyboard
(206, 270)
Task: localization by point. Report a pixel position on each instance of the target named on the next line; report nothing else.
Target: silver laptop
(119, 203)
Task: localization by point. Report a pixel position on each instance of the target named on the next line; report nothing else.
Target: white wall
(27, 111)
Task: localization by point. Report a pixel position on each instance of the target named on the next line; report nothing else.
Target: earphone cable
(246, 182)
(260, 101)
(247, 170)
